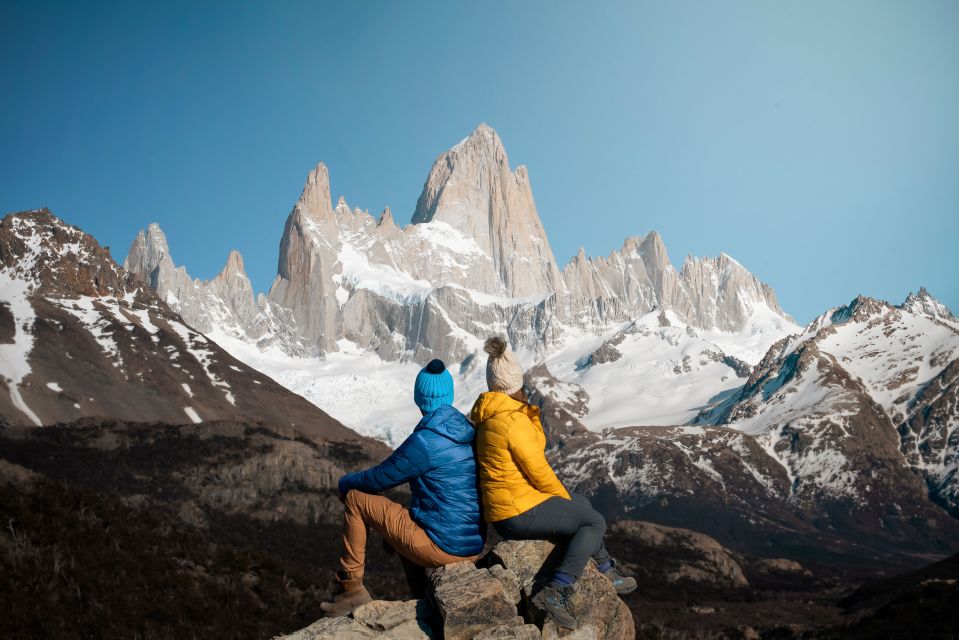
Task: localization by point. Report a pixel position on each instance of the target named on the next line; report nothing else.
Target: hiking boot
(556, 602)
(344, 603)
(622, 584)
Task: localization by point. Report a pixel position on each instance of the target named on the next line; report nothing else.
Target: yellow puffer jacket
(513, 472)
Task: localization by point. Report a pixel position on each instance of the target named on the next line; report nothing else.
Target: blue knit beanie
(433, 387)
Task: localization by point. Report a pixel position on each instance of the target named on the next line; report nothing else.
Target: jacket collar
(447, 422)
(494, 403)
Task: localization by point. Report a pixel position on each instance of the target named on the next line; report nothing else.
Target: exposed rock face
(470, 600)
(91, 340)
(599, 612)
(472, 189)
(562, 405)
(475, 261)
(409, 620)
(710, 293)
(225, 303)
(432, 289)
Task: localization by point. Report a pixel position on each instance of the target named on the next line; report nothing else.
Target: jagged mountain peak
(476, 239)
(471, 169)
(386, 218)
(483, 141)
(472, 189)
(721, 263)
(315, 202)
(146, 251)
(58, 258)
(924, 303)
(225, 302)
(654, 250)
(234, 265)
(861, 307)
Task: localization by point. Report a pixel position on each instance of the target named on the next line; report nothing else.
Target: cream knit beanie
(503, 370)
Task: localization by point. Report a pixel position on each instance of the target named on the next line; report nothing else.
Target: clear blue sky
(815, 142)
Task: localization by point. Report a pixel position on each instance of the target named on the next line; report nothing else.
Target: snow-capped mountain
(865, 383)
(843, 436)
(80, 337)
(355, 296)
(846, 411)
(689, 397)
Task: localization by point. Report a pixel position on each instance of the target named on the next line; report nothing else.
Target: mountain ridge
(475, 248)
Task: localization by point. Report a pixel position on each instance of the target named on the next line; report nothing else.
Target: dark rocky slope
(116, 530)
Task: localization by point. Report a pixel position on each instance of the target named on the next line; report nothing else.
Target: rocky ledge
(467, 602)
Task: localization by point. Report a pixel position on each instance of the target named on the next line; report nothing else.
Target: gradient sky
(815, 142)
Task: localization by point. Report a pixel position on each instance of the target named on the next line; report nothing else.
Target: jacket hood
(494, 403)
(448, 422)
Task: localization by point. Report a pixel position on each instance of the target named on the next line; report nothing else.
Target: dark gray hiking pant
(575, 520)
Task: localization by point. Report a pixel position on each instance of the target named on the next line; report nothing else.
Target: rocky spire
(146, 253)
(233, 267)
(315, 202)
(472, 189)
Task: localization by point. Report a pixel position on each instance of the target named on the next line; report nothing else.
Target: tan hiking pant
(394, 523)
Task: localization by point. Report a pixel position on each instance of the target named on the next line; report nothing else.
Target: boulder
(510, 632)
(781, 565)
(492, 602)
(342, 628)
(470, 600)
(409, 620)
(674, 555)
(395, 617)
(599, 611)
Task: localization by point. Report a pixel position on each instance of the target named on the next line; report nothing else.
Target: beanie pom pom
(495, 347)
(436, 366)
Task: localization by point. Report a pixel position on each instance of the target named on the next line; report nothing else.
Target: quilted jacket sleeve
(409, 461)
(531, 459)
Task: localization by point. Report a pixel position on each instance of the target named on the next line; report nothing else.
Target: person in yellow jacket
(521, 495)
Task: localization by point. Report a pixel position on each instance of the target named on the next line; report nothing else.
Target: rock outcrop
(680, 556)
(492, 601)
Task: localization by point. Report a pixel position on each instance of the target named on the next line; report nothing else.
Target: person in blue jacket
(444, 523)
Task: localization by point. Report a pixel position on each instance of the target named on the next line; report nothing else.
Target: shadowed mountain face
(81, 337)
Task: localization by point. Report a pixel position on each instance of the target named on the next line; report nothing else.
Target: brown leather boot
(352, 594)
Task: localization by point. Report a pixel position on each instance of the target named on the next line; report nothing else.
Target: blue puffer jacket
(438, 462)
